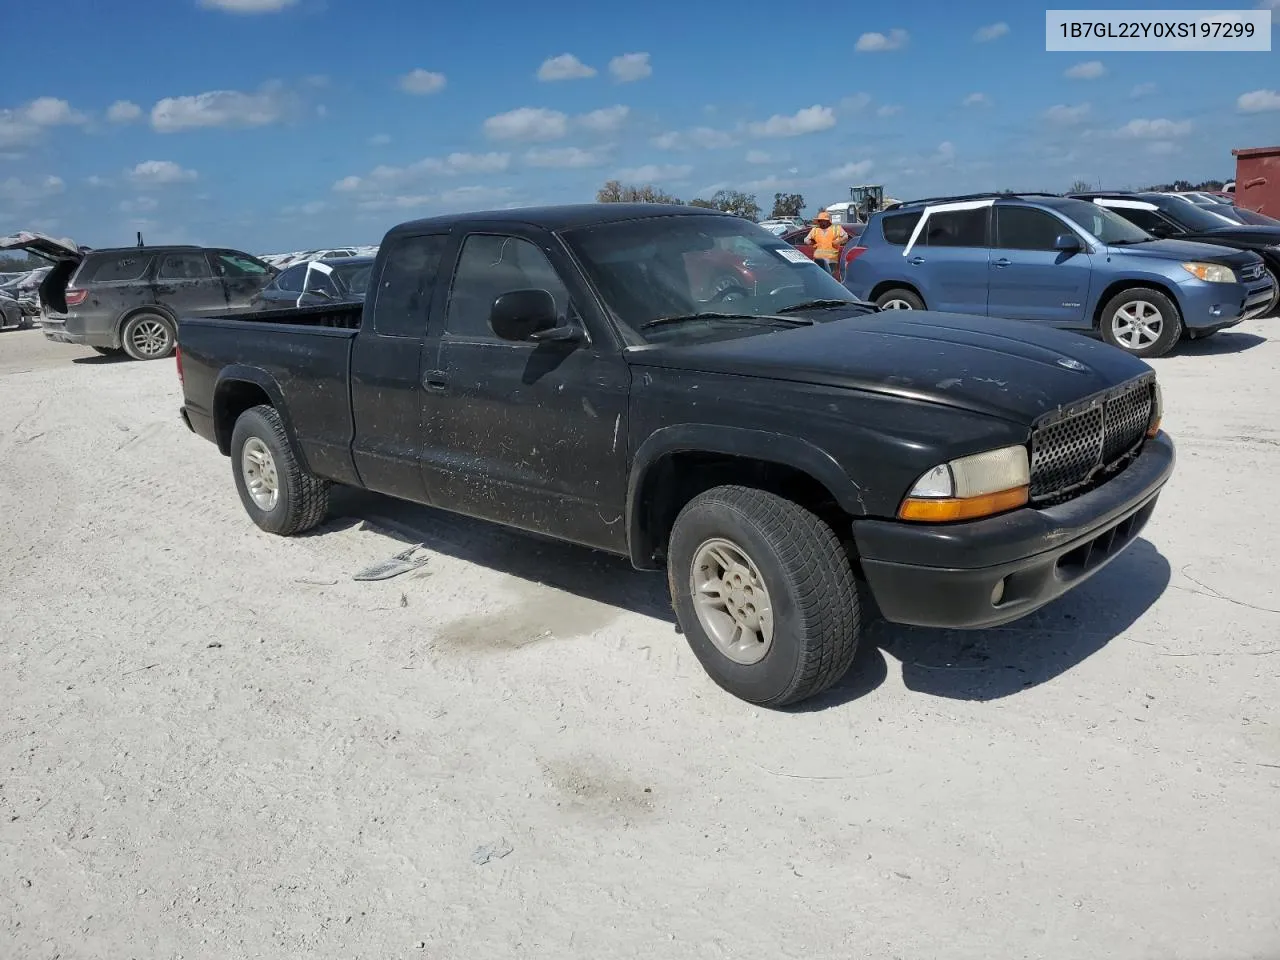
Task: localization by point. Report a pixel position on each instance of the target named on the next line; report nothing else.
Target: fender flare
(759, 445)
(243, 373)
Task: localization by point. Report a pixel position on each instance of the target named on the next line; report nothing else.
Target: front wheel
(148, 336)
(765, 594)
(899, 298)
(277, 491)
(1141, 322)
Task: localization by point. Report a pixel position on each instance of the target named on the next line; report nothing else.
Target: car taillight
(177, 356)
(76, 297)
(854, 253)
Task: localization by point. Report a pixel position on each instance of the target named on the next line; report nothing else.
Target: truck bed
(303, 354)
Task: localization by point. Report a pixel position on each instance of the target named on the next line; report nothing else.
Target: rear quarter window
(896, 228)
(115, 268)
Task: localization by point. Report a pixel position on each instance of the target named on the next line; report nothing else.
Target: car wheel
(764, 593)
(148, 336)
(899, 298)
(278, 493)
(727, 289)
(1141, 322)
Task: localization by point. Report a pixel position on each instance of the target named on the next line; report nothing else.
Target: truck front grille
(1074, 448)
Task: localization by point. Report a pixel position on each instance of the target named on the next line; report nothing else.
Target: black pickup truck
(681, 387)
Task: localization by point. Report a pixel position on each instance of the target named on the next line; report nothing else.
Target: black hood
(1246, 236)
(1005, 368)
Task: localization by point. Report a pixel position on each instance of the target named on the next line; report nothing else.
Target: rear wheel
(1141, 322)
(148, 336)
(899, 298)
(277, 491)
(764, 593)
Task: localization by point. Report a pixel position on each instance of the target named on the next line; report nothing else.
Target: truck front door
(527, 434)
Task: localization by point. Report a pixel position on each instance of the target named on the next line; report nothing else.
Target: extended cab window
(897, 227)
(184, 266)
(407, 283)
(116, 268)
(1024, 228)
(489, 267)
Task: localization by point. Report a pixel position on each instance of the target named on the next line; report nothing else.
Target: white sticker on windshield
(791, 255)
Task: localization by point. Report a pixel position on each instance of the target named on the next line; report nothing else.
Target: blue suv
(1058, 260)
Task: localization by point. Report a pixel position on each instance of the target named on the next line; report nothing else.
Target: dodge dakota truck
(578, 372)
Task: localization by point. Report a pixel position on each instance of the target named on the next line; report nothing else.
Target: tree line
(736, 202)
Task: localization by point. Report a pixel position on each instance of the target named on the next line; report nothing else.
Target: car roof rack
(990, 195)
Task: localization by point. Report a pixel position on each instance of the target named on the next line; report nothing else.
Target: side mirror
(520, 314)
(1067, 243)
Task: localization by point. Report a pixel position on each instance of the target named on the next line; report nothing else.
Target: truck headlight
(974, 486)
(1210, 272)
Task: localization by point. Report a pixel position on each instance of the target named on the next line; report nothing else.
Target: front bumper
(945, 575)
(1209, 307)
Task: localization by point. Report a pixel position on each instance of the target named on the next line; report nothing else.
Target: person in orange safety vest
(827, 242)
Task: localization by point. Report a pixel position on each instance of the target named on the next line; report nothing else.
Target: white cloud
(946, 152)
(348, 184)
(26, 124)
(123, 111)
(158, 172)
(564, 67)
(855, 102)
(991, 32)
(1146, 89)
(976, 100)
(605, 120)
(248, 6)
(1159, 129)
(655, 173)
(567, 158)
(809, 120)
(312, 207)
(1064, 115)
(25, 192)
(528, 124)
(380, 139)
(222, 108)
(421, 82)
(97, 181)
(1163, 148)
(850, 171)
(630, 67)
(384, 177)
(139, 205)
(474, 196)
(876, 42)
(703, 138)
(1258, 101)
(888, 110)
(758, 156)
(1088, 70)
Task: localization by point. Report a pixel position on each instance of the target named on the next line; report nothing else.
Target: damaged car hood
(1005, 368)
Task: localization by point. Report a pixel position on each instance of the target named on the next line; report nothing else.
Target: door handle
(1002, 262)
(435, 380)
(916, 261)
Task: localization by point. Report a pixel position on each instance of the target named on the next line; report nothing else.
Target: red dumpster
(1258, 179)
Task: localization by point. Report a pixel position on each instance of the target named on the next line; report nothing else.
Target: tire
(1142, 322)
(808, 587)
(108, 351)
(300, 501)
(902, 298)
(1275, 295)
(148, 336)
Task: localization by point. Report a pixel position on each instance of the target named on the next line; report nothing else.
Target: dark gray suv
(129, 299)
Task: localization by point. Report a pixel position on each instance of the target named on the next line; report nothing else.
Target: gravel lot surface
(214, 743)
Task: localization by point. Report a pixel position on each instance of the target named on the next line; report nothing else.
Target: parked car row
(1144, 270)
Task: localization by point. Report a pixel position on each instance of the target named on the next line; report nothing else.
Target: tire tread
(308, 503)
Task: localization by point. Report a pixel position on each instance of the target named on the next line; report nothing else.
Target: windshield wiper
(711, 315)
(820, 304)
(1129, 243)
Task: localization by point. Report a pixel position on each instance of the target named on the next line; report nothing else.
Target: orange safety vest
(826, 241)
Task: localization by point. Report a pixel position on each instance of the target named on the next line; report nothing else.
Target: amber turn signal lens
(942, 510)
(1154, 428)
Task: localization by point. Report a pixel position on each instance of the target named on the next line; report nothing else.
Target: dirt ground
(214, 743)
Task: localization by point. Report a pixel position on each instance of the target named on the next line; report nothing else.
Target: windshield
(1191, 216)
(354, 276)
(665, 266)
(1255, 218)
(1108, 227)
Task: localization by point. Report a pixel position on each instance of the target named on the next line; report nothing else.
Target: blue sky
(281, 124)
